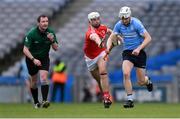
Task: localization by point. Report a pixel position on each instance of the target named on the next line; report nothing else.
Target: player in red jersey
(94, 49)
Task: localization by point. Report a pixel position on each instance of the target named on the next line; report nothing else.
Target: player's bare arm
(109, 45)
(29, 55)
(97, 40)
(113, 37)
(120, 39)
(147, 40)
(109, 31)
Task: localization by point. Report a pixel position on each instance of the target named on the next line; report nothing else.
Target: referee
(37, 44)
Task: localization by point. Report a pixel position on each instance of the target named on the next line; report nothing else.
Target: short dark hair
(39, 17)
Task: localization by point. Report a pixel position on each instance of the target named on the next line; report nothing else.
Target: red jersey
(91, 49)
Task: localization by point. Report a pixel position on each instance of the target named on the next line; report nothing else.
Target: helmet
(93, 15)
(125, 12)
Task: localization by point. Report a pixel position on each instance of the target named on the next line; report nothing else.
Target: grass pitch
(91, 110)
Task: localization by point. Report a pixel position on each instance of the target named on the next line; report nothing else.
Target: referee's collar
(41, 31)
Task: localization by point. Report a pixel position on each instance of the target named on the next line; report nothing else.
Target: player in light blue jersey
(135, 38)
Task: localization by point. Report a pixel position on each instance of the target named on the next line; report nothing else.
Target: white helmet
(125, 12)
(93, 15)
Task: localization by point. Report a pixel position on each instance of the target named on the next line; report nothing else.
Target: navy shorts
(138, 61)
(33, 69)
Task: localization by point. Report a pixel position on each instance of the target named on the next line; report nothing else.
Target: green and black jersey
(38, 43)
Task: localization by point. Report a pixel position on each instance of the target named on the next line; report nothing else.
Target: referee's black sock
(44, 91)
(34, 92)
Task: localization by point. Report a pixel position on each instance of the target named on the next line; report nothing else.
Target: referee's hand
(50, 36)
(37, 62)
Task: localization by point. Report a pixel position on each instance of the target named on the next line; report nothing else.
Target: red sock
(106, 94)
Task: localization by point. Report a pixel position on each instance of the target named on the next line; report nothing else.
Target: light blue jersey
(132, 34)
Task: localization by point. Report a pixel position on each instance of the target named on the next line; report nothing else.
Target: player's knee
(34, 84)
(103, 72)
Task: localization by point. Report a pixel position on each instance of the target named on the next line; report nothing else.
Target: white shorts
(92, 63)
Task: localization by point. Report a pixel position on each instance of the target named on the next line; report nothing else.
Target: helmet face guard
(125, 12)
(124, 16)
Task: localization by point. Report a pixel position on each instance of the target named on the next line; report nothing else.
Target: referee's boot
(37, 105)
(107, 101)
(128, 104)
(149, 85)
(45, 104)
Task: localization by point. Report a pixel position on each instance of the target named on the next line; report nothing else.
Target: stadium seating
(18, 15)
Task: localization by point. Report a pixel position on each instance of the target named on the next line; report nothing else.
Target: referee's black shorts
(33, 69)
(138, 61)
